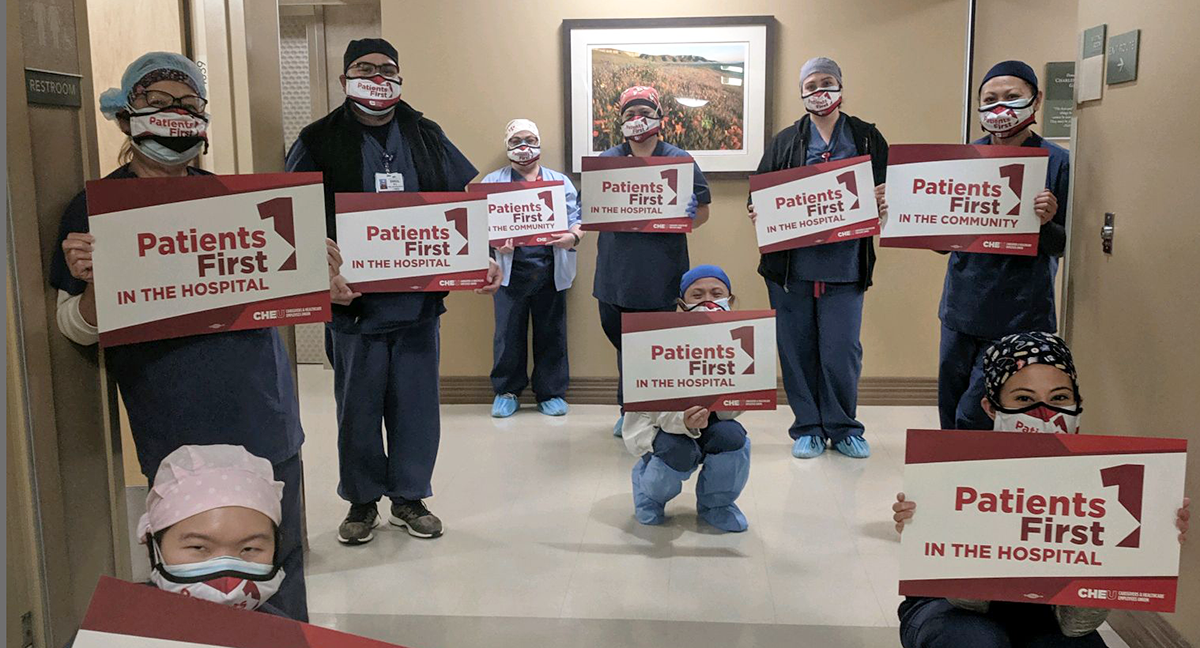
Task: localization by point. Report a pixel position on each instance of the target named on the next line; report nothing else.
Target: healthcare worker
(1030, 385)
(639, 272)
(221, 388)
(383, 346)
(817, 292)
(988, 296)
(671, 445)
(534, 286)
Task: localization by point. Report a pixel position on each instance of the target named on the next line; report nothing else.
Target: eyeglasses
(514, 142)
(160, 99)
(370, 69)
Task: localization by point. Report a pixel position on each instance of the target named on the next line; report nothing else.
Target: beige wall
(1133, 313)
(460, 66)
(1034, 31)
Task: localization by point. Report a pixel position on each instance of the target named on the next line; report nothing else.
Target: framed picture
(713, 76)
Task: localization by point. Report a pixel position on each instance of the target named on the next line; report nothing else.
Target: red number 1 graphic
(745, 336)
(279, 211)
(672, 178)
(458, 216)
(851, 183)
(1015, 174)
(1130, 481)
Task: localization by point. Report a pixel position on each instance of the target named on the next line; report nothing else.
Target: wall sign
(1060, 104)
(52, 88)
(1122, 57)
(1090, 68)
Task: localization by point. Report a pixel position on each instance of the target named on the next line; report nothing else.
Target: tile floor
(541, 544)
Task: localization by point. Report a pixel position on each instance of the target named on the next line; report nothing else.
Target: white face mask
(375, 95)
(639, 129)
(708, 306)
(226, 580)
(1005, 118)
(524, 154)
(1038, 417)
(822, 101)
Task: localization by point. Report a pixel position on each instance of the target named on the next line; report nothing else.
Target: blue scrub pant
(821, 356)
(547, 307)
(960, 381)
(389, 379)
(684, 453)
(292, 597)
(610, 321)
(935, 623)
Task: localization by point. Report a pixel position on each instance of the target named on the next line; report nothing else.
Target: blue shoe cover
(807, 447)
(553, 407)
(619, 426)
(721, 481)
(854, 447)
(654, 484)
(504, 406)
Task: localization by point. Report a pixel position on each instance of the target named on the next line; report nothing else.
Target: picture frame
(714, 77)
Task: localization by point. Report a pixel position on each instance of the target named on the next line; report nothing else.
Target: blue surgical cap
(703, 272)
(168, 65)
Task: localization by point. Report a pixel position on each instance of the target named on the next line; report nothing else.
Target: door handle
(1107, 232)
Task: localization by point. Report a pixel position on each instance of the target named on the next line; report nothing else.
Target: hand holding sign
(695, 417)
(1045, 205)
(78, 248)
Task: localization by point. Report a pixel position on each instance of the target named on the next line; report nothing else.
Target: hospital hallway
(541, 547)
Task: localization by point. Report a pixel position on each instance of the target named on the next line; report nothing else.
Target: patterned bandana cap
(1019, 350)
(640, 96)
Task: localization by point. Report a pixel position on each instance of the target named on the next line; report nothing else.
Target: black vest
(335, 144)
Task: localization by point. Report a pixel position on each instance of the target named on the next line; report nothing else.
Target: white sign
(207, 254)
(528, 213)
(637, 194)
(724, 361)
(1044, 518)
(964, 197)
(813, 205)
(413, 242)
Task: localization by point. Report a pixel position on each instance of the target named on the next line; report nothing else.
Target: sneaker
(807, 447)
(618, 428)
(413, 516)
(357, 528)
(553, 407)
(505, 406)
(854, 447)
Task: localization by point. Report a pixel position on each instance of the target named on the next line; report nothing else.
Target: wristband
(577, 239)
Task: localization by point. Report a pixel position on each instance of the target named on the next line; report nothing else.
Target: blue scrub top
(223, 388)
(831, 262)
(992, 295)
(532, 265)
(386, 312)
(641, 270)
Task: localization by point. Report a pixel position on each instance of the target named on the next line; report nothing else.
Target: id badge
(389, 182)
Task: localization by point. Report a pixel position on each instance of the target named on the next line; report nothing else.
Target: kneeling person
(671, 445)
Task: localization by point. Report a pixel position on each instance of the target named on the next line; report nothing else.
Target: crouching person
(672, 445)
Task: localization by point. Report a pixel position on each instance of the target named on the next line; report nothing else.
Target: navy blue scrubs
(988, 296)
(385, 356)
(639, 272)
(232, 388)
(818, 320)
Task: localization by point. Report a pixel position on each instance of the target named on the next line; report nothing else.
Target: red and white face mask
(1038, 417)
(1005, 118)
(375, 95)
(640, 129)
(167, 122)
(226, 580)
(823, 101)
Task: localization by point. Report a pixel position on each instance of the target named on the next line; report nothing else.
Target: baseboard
(882, 390)
(1146, 630)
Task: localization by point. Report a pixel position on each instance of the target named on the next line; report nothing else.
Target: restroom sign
(1065, 519)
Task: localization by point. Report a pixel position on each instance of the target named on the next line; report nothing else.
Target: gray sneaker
(413, 516)
(357, 528)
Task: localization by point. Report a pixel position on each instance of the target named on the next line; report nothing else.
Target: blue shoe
(807, 447)
(617, 429)
(854, 447)
(505, 406)
(553, 407)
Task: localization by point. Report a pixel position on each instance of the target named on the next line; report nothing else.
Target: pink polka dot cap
(199, 478)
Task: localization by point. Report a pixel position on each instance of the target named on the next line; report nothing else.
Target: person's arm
(1052, 239)
(701, 194)
(73, 322)
(298, 158)
(459, 170)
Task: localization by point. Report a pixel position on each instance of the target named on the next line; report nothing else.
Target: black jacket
(789, 149)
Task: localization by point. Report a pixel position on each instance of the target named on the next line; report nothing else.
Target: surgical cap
(1019, 69)
(703, 272)
(822, 65)
(199, 478)
(1013, 353)
(147, 69)
(517, 125)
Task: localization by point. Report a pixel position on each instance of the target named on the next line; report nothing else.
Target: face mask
(525, 154)
(170, 136)
(1038, 417)
(823, 101)
(640, 129)
(375, 95)
(226, 580)
(710, 305)
(1004, 118)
